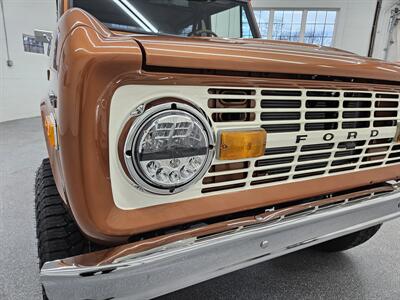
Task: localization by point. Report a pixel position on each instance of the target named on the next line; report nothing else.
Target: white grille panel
(311, 133)
(286, 113)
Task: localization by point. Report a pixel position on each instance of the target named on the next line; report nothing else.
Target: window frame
(271, 11)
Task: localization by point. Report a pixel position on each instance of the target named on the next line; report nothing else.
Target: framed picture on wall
(32, 45)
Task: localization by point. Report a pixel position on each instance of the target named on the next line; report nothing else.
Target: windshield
(222, 18)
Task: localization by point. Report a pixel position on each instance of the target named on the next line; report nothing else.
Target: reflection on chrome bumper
(144, 274)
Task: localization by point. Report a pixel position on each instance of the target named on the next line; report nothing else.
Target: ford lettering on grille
(332, 136)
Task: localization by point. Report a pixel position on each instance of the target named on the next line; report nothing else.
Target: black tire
(348, 241)
(57, 233)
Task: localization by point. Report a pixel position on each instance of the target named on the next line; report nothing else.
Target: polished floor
(371, 271)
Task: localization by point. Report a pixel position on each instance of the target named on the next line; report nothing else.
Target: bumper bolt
(264, 244)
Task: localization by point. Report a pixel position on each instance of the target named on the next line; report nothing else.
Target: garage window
(287, 25)
(262, 17)
(308, 26)
(320, 26)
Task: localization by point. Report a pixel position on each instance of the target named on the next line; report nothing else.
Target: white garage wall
(23, 85)
(383, 38)
(393, 52)
(354, 21)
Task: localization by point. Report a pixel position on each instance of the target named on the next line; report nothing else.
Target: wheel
(57, 233)
(348, 241)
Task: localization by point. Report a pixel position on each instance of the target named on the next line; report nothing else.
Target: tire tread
(57, 233)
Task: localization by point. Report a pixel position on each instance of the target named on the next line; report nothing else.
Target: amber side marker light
(51, 131)
(238, 144)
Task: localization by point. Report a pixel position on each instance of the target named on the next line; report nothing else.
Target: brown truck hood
(255, 55)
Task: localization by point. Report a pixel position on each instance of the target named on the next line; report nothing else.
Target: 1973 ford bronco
(181, 150)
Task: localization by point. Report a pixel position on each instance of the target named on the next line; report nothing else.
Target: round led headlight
(168, 148)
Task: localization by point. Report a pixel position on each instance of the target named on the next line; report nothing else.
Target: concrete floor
(371, 271)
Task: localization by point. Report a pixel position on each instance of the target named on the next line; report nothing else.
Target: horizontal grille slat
(396, 161)
(358, 124)
(351, 144)
(386, 114)
(280, 150)
(387, 96)
(310, 133)
(387, 104)
(280, 93)
(280, 104)
(380, 141)
(281, 128)
(271, 116)
(356, 114)
(308, 174)
(315, 147)
(224, 178)
(357, 104)
(271, 171)
(342, 169)
(371, 165)
(231, 103)
(357, 95)
(274, 161)
(311, 166)
(388, 123)
(264, 181)
(323, 94)
(377, 149)
(322, 104)
(322, 115)
(234, 117)
(375, 157)
(229, 167)
(345, 161)
(231, 91)
(393, 155)
(321, 126)
(348, 153)
(317, 156)
(223, 187)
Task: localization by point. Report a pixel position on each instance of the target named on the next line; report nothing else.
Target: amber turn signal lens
(241, 144)
(51, 131)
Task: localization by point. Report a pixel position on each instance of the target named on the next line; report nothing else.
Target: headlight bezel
(145, 115)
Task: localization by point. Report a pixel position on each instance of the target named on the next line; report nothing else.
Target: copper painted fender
(92, 63)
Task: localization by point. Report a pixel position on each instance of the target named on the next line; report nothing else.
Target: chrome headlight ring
(168, 148)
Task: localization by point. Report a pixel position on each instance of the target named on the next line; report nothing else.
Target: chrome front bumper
(173, 266)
